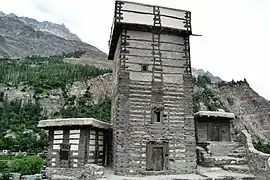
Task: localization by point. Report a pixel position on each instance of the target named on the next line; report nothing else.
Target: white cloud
(235, 37)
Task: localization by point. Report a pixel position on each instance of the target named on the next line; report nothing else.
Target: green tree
(27, 165)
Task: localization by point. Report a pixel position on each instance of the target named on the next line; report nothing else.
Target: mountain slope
(251, 109)
(56, 29)
(20, 37)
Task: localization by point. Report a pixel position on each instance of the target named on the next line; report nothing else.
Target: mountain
(67, 91)
(56, 29)
(23, 36)
(253, 110)
(201, 72)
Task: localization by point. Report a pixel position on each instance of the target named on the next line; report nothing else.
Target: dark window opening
(64, 155)
(64, 152)
(156, 115)
(144, 68)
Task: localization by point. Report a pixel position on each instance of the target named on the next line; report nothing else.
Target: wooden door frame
(165, 154)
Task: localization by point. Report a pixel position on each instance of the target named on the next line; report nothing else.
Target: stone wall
(88, 172)
(86, 146)
(135, 94)
(257, 160)
(222, 148)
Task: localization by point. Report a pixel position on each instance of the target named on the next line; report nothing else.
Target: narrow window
(64, 152)
(156, 115)
(64, 155)
(144, 68)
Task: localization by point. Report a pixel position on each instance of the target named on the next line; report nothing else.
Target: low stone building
(213, 126)
(74, 142)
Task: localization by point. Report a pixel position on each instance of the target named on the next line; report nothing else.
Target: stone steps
(237, 168)
(217, 173)
(239, 152)
(237, 155)
(224, 160)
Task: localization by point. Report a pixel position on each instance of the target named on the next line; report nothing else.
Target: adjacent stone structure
(77, 141)
(213, 126)
(257, 161)
(153, 124)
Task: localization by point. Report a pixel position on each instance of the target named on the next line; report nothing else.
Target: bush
(4, 170)
(27, 165)
(3, 165)
(265, 148)
(5, 174)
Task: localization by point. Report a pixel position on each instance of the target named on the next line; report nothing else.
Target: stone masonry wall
(257, 160)
(133, 102)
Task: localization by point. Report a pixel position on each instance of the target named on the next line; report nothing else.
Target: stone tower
(152, 115)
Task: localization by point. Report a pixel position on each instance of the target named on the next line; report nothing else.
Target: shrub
(3, 165)
(265, 148)
(5, 174)
(27, 165)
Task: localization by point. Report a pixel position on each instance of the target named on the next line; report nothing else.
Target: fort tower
(152, 115)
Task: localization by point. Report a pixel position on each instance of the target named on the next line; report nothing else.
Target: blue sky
(234, 45)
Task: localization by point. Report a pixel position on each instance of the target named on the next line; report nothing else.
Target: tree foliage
(18, 126)
(84, 108)
(26, 165)
(18, 120)
(265, 148)
(204, 94)
(45, 73)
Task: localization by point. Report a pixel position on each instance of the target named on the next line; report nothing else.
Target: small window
(156, 115)
(64, 152)
(64, 155)
(144, 68)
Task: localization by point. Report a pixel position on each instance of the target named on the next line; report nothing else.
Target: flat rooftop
(219, 114)
(49, 123)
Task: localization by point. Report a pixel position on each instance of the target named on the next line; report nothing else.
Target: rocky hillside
(201, 72)
(251, 109)
(22, 36)
(80, 90)
(36, 88)
(46, 26)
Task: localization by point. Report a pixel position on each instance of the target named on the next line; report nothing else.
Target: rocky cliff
(23, 36)
(252, 109)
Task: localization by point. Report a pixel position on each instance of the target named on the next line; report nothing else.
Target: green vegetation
(18, 120)
(204, 94)
(265, 148)
(45, 73)
(24, 165)
(76, 54)
(18, 127)
(85, 108)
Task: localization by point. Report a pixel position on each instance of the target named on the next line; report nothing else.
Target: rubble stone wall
(257, 160)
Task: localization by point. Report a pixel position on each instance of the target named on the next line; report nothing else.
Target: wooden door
(157, 159)
(157, 154)
(215, 133)
(224, 132)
